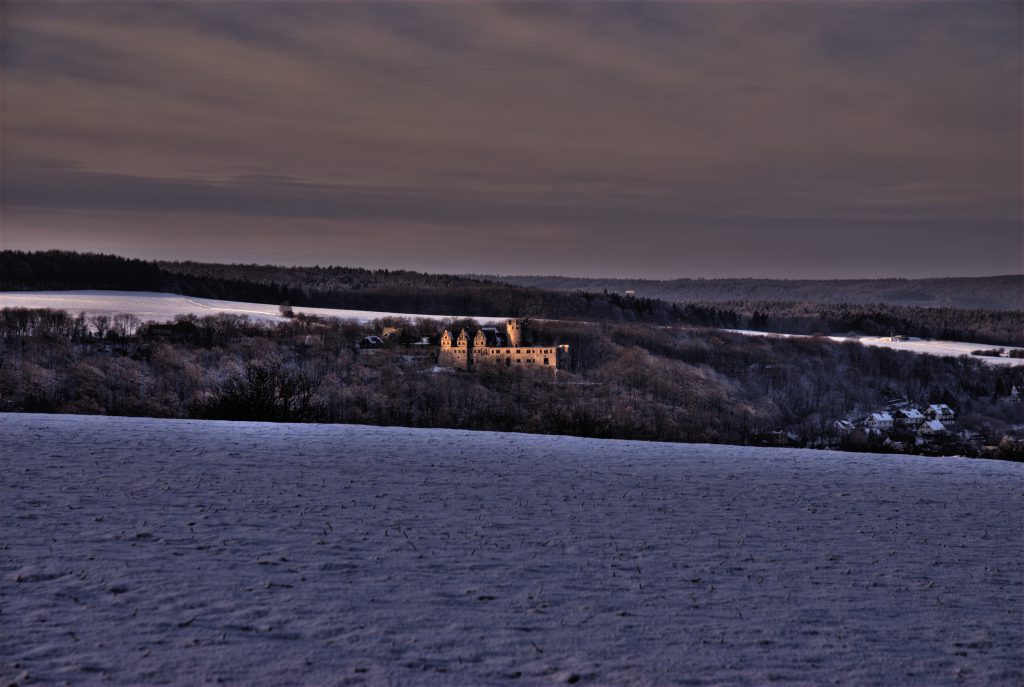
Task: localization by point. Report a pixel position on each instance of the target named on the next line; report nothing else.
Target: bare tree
(101, 324)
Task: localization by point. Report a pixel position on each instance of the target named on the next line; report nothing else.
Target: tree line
(1004, 292)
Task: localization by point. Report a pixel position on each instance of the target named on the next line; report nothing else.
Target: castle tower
(463, 339)
(515, 333)
(446, 339)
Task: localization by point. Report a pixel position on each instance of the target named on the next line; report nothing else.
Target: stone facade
(491, 347)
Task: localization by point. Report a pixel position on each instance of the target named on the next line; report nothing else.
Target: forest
(404, 291)
(1005, 292)
(626, 380)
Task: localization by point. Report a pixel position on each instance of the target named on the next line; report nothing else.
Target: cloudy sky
(656, 139)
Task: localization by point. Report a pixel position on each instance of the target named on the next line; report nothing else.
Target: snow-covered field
(139, 551)
(952, 349)
(151, 306)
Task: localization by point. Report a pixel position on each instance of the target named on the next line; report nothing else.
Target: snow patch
(151, 306)
(949, 349)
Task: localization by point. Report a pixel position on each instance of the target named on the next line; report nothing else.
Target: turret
(515, 334)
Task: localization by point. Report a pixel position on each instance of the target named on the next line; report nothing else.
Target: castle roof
(492, 336)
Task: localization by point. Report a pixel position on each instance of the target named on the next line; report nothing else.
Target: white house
(940, 412)
(909, 417)
(880, 420)
(931, 428)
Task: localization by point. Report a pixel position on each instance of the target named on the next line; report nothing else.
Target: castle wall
(464, 355)
(455, 356)
(545, 357)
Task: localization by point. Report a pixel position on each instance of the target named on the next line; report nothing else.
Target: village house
(880, 420)
(843, 428)
(371, 342)
(493, 347)
(931, 428)
(941, 412)
(908, 417)
(893, 445)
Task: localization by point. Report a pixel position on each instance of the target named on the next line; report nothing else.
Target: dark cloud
(686, 137)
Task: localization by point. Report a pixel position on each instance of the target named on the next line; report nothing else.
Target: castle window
(546, 361)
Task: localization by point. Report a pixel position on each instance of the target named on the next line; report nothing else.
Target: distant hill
(991, 293)
(326, 287)
(928, 308)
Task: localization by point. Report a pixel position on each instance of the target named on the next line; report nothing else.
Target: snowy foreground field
(152, 306)
(138, 551)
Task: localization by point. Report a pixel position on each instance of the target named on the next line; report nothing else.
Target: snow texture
(151, 306)
(948, 349)
(140, 551)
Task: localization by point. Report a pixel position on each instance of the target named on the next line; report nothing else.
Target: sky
(620, 139)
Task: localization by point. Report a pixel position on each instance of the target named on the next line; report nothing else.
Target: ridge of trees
(1002, 292)
(626, 380)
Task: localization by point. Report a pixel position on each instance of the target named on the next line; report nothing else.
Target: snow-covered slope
(949, 349)
(151, 306)
(138, 551)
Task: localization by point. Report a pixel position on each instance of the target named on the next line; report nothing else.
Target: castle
(490, 347)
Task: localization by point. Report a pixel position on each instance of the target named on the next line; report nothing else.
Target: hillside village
(901, 419)
(907, 427)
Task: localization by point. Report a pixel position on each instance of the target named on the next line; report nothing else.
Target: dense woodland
(1004, 292)
(328, 287)
(414, 292)
(626, 380)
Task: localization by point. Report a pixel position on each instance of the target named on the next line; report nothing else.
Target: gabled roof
(492, 336)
